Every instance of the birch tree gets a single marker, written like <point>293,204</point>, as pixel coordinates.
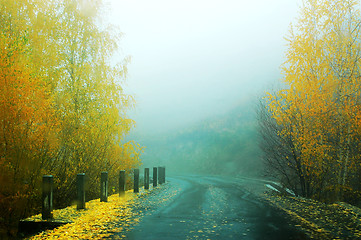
<point>322,72</point>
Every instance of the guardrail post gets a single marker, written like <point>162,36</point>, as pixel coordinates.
<point>146,178</point>
<point>136,180</point>
<point>104,187</point>
<point>121,182</point>
<point>47,205</point>
<point>155,177</point>
<point>163,174</point>
<point>162,177</point>
<point>80,189</point>
<point>159,175</point>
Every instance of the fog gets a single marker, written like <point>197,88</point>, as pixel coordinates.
<point>195,60</point>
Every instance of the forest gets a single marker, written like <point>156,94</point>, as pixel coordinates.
<point>63,109</point>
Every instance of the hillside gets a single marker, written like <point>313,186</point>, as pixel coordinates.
<point>224,144</point>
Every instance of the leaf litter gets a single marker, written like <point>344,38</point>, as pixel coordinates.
<point>110,219</point>
<point>320,220</point>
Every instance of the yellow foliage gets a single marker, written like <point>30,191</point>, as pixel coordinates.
<point>97,221</point>
<point>320,110</point>
<point>63,110</point>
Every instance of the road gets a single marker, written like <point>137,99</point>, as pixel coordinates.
<point>213,208</point>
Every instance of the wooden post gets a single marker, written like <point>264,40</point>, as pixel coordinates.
<point>80,189</point>
<point>146,178</point>
<point>163,177</point>
<point>159,176</point>
<point>163,174</point>
<point>47,205</point>
<point>155,177</point>
<point>136,180</point>
<point>121,183</point>
<point>104,187</point>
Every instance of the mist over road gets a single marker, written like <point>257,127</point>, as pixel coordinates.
<point>214,208</point>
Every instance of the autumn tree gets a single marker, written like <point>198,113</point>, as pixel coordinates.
<point>281,160</point>
<point>321,102</point>
<point>28,123</point>
<point>89,98</point>
<point>63,109</point>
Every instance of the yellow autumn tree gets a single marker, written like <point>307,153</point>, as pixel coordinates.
<point>28,125</point>
<point>89,98</point>
<point>63,109</point>
<point>319,111</point>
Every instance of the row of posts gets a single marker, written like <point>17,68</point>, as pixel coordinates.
<point>47,197</point>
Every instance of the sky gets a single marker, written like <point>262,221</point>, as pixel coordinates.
<point>193,59</point>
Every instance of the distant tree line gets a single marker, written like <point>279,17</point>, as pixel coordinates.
<point>311,130</point>
<point>223,144</point>
<point>62,107</point>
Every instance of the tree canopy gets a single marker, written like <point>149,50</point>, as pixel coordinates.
<point>318,113</point>
<point>63,109</point>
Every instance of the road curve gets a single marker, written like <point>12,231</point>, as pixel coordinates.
<point>213,208</point>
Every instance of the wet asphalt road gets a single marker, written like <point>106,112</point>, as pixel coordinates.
<point>213,208</point>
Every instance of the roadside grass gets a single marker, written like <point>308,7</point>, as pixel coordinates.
<point>320,220</point>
